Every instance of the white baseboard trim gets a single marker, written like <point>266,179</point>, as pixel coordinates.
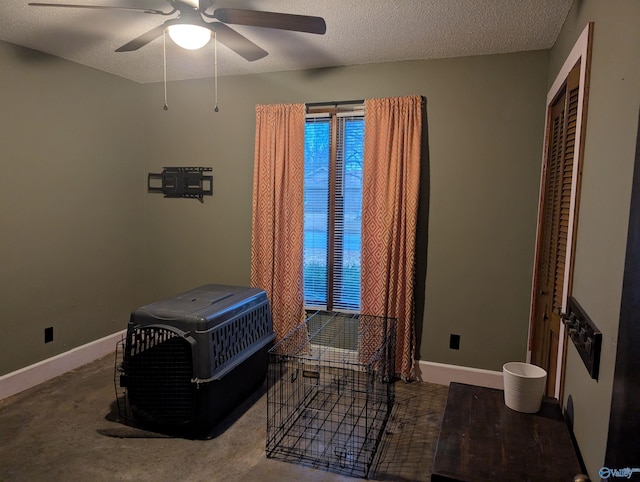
<point>28,377</point>
<point>444,374</point>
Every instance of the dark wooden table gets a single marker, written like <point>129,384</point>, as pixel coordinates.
<point>481,439</point>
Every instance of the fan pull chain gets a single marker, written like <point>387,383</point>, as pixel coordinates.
<point>215,69</point>
<point>164,63</point>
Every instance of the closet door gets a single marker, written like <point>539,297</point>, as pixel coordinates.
<point>553,263</point>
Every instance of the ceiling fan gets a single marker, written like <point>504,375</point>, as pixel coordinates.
<point>195,15</point>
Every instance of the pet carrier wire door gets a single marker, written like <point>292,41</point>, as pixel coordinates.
<point>330,392</point>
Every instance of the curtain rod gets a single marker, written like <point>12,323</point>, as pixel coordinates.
<point>334,103</point>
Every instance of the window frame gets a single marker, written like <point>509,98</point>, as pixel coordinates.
<point>333,114</point>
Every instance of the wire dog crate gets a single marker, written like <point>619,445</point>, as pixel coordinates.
<point>330,392</point>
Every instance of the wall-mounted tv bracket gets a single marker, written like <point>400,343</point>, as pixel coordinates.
<point>186,182</point>
<point>585,336</point>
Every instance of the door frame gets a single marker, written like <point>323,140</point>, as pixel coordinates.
<point>581,52</point>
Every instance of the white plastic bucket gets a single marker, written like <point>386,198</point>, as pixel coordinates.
<point>524,386</point>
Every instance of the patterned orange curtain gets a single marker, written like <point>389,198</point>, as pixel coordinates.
<point>391,182</point>
<point>278,218</point>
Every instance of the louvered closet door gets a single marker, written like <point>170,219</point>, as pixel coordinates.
<point>554,229</point>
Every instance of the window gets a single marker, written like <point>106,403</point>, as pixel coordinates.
<point>332,210</point>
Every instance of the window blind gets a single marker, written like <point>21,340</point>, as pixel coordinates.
<point>316,210</point>
<point>348,212</point>
<point>332,213</point>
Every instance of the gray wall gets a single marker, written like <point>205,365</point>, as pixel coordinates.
<point>486,119</point>
<point>614,100</point>
<point>84,244</point>
<point>71,204</point>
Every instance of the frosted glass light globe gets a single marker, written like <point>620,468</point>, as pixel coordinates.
<point>190,37</point>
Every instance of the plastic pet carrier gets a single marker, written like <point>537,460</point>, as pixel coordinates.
<point>331,391</point>
<point>187,361</point>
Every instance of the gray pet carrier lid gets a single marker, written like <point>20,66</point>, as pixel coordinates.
<point>189,302</point>
<point>199,308</point>
<point>219,326</point>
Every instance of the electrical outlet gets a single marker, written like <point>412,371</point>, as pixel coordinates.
<point>48,334</point>
<point>454,342</point>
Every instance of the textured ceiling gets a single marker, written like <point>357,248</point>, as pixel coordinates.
<point>358,32</point>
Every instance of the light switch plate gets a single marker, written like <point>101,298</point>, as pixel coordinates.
<point>584,334</point>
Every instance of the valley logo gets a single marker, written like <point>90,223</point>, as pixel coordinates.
<point>625,473</point>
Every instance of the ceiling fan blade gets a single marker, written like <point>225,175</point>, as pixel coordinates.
<point>236,42</point>
<point>143,39</point>
<point>99,7</point>
<point>281,21</point>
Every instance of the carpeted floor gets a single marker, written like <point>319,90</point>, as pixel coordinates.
<point>68,430</point>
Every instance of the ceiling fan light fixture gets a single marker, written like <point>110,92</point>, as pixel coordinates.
<point>188,36</point>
